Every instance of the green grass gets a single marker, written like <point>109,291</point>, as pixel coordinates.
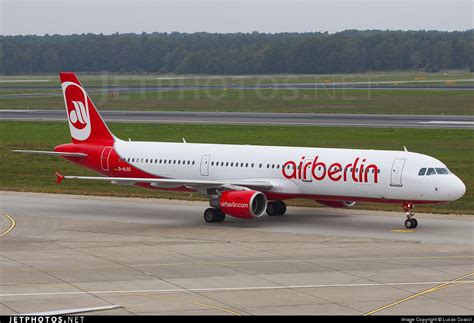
<point>393,101</point>
<point>170,79</point>
<point>419,101</point>
<point>36,173</point>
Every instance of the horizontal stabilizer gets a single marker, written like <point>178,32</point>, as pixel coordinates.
<point>51,153</point>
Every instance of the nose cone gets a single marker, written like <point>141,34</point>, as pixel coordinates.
<point>458,188</point>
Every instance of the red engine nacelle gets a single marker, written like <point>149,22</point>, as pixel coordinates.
<point>243,204</point>
<point>337,204</point>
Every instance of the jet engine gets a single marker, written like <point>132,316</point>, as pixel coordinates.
<point>338,204</point>
<point>241,204</point>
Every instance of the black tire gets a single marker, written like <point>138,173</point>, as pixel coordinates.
<point>281,207</point>
<point>410,224</point>
<point>415,223</point>
<point>212,215</point>
<point>220,217</point>
<point>272,208</point>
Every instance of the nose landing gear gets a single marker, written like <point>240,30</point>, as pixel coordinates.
<point>410,222</point>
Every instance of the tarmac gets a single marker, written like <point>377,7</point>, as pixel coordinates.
<point>253,118</point>
<point>151,256</point>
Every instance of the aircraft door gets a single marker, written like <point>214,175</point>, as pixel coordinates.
<point>397,171</point>
<point>205,165</point>
<point>104,159</point>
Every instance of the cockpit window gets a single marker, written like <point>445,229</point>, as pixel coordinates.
<point>442,171</point>
<point>422,172</point>
<point>431,171</point>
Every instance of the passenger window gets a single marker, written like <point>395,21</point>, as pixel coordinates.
<point>431,171</point>
<point>442,171</point>
<point>422,172</point>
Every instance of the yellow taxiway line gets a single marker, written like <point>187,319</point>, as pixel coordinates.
<point>221,309</point>
<point>431,290</point>
<point>12,223</point>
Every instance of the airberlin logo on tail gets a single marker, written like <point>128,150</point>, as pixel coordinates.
<point>77,110</point>
<point>314,169</point>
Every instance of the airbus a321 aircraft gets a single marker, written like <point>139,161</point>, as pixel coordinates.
<point>246,181</point>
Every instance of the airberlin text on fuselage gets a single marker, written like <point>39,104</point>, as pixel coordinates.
<point>308,170</point>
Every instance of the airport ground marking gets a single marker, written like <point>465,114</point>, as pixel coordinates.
<point>12,223</point>
<point>454,282</point>
<point>249,288</point>
<point>403,230</point>
<point>230,263</point>
<point>192,303</point>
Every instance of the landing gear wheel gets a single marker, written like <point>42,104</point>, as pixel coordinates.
<point>276,208</point>
<point>281,207</point>
<point>212,215</point>
<point>410,222</point>
<point>272,208</point>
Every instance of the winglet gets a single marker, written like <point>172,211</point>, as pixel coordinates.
<point>59,177</point>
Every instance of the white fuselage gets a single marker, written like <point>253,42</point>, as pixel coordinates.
<point>348,174</point>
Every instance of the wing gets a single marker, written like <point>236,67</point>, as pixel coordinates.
<point>52,153</point>
<point>199,185</point>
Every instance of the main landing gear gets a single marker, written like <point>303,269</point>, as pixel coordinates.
<point>410,222</point>
<point>276,208</point>
<point>212,215</point>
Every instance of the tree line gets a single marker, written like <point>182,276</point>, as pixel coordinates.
<point>349,51</point>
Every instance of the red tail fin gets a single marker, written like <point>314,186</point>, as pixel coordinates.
<point>85,122</point>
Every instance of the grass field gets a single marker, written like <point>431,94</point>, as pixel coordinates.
<point>36,173</point>
<point>101,79</point>
<point>393,101</point>
<point>419,101</point>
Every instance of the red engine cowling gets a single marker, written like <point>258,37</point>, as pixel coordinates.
<point>243,204</point>
<point>338,204</point>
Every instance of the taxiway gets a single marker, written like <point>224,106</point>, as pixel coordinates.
<point>152,256</point>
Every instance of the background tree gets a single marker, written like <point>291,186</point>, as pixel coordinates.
<point>350,51</point>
